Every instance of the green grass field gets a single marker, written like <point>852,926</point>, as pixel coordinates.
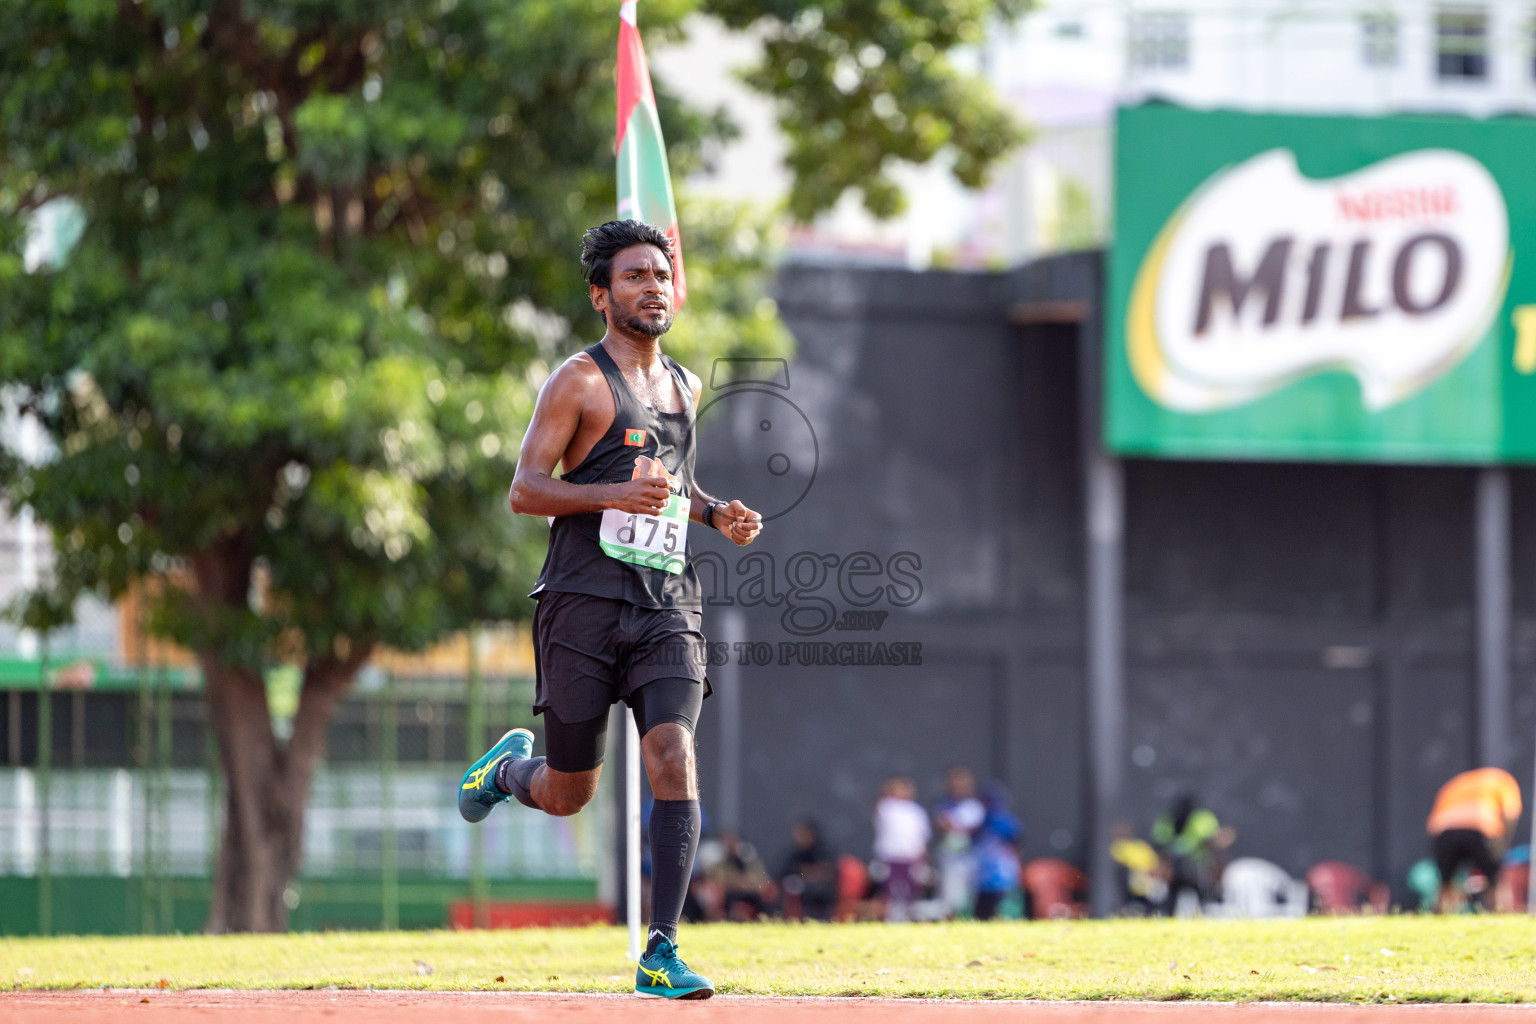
<point>1404,959</point>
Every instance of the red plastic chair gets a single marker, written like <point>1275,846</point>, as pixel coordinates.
<point>1340,888</point>
<point>852,889</point>
<point>1056,889</point>
<point>1514,884</point>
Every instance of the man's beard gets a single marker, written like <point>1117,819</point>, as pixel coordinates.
<point>644,325</point>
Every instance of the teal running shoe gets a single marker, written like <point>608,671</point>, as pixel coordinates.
<point>664,974</point>
<point>478,793</point>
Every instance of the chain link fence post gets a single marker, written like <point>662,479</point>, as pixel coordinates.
<point>389,866</point>
<point>44,764</point>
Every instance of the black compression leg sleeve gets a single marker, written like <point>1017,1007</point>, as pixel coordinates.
<point>515,776</point>
<point>674,835</point>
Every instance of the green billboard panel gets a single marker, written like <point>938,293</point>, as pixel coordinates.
<point>1322,288</point>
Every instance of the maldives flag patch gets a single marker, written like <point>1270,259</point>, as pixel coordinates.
<point>634,438</point>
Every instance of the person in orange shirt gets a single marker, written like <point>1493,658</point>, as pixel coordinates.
<point>1471,824</point>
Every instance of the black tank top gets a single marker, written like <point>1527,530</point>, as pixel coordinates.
<point>576,564</point>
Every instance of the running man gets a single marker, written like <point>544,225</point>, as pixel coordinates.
<point>619,610</point>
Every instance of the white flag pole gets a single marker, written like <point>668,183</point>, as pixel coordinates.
<point>632,830</point>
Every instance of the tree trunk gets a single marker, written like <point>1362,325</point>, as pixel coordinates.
<point>248,882</point>
<point>267,783</point>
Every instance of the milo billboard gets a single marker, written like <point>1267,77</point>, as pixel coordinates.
<point>1322,288</point>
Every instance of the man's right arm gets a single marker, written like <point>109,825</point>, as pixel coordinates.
<point>556,417</point>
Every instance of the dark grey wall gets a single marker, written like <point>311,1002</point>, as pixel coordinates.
<point>1298,637</point>
<point>912,385</point>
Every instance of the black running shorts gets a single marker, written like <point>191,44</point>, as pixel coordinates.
<point>591,652</point>
<point>579,746</point>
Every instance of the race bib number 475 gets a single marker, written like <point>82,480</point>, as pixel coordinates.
<point>659,541</point>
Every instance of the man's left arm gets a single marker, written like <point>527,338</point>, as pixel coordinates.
<point>739,524</point>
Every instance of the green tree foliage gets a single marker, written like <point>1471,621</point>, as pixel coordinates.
<point>330,256</point>
<point>861,83</point>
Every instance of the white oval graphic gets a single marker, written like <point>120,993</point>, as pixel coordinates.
<point>1392,273</point>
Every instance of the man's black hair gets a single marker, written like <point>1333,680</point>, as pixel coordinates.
<point>601,244</point>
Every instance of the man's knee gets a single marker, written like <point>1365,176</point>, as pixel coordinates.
<point>675,758</point>
<point>563,794</point>
<point>669,746</point>
<point>563,805</point>
<point>669,760</point>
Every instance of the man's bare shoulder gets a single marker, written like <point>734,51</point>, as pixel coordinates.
<point>694,383</point>
<point>574,380</point>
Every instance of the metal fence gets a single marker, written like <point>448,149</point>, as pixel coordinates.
<point>114,789</point>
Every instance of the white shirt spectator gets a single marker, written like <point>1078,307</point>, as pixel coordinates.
<point>901,830</point>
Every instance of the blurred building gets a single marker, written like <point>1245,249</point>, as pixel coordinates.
<point>1067,64</point>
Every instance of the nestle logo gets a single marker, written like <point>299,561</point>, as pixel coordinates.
<point>1406,203</point>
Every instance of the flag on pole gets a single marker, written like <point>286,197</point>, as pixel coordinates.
<point>645,182</point>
